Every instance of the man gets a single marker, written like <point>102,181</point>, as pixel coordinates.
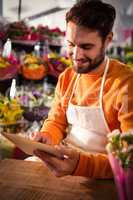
<point>92,98</point>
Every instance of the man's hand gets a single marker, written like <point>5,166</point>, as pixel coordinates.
<point>41,137</point>
<point>63,165</point>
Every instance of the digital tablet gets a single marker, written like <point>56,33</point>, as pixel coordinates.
<point>28,146</point>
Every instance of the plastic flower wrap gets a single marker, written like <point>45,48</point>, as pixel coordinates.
<point>120,152</point>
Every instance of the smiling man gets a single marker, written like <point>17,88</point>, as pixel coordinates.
<point>85,48</point>
<point>92,98</point>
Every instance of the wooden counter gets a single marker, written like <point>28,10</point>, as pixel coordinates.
<point>26,180</point>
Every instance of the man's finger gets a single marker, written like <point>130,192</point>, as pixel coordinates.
<point>66,151</point>
<point>49,159</point>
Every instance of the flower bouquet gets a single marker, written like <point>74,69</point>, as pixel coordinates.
<point>32,100</point>
<point>9,65</point>
<point>120,152</point>
<point>17,30</point>
<point>11,114</point>
<point>56,64</point>
<point>33,68</point>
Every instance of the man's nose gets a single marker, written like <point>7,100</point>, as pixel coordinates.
<point>77,53</point>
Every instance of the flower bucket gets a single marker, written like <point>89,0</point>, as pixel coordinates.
<point>119,177</point>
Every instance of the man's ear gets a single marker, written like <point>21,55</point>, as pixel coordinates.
<point>109,39</point>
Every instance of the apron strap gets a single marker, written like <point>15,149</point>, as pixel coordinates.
<point>101,94</point>
<point>73,90</point>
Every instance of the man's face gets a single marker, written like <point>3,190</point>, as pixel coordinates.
<point>84,47</point>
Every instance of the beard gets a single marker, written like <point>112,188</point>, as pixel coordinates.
<point>92,63</point>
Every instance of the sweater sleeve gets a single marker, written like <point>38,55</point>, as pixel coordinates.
<point>94,166</point>
<point>124,104</point>
<point>56,123</point>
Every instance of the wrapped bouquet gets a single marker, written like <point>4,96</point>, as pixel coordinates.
<point>56,64</point>
<point>120,152</point>
<point>9,65</point>
<point>11,114</point>
<point>33,68</point>
<point>33,101</point>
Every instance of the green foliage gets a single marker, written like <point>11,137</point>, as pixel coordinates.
<point>121,146</point>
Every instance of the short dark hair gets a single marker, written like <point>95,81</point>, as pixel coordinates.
<point>93,14</point>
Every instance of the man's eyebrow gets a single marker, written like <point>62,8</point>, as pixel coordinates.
<point>82,44</point>
<point>86,45</point>
<point>70,41</point>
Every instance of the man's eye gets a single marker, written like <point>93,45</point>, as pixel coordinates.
<point>70,45</point>
<point>87,47</point>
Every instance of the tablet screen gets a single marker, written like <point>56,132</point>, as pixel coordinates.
<point>28,146</point>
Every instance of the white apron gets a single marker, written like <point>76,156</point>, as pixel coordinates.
<point>88,124</point>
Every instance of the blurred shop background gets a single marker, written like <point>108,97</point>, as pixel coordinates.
<point>33,54</point>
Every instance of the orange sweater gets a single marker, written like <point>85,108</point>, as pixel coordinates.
<point>117,104</point>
